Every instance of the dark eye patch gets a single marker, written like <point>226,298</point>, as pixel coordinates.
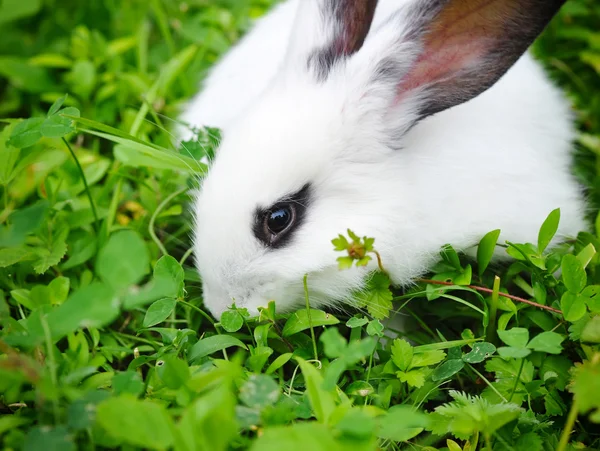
<point>274,226</point>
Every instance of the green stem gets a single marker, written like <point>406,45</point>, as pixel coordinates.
<point>163,25</point>
<point>514,389</point>
<point>488,442</point>
<point>199,310</point>
<point>51,365</point>
<point>112,210</point>
<point>186,256</point>
<point>566,432</point>
<point>491,327</point>
<point>312,330</point>
<point>488,383</point>
<point>162,205</point>
<point>85,184</point>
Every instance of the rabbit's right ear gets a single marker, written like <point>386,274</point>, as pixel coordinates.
<point>435,54</point>
<point>326,32</point>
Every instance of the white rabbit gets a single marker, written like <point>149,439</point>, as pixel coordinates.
<point>388,129</point>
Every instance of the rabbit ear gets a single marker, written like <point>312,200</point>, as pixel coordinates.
<point>435,54</point>
<point>327,31</point>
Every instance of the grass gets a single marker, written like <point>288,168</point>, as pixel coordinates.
<point>104,343</point>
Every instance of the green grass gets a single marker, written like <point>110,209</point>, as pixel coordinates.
<point>103,340</point>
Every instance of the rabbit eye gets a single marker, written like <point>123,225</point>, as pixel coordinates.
<point>274,226</point>
<point>280,218</point>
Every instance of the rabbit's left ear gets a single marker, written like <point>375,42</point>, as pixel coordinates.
<point>328,31</point>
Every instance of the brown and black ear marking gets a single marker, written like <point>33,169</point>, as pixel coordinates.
<point>502,29</point>
<point>466,46</point>
<point>351,20</point>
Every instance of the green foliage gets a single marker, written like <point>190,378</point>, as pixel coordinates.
<point>104,342</point>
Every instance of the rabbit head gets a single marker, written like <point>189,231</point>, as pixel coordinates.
<point>324,149</point>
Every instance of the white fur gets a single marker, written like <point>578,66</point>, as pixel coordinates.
<point>501,160</point>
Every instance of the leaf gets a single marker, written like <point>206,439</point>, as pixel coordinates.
<point>128,382</point>
<point>427,358</point>
<point>334,344</point>
<point>321,401</point>
<point>12,255</point>
<point>259,358</point>
<point>467,415</point>
<point>26,133</point>
<point>548,342</point>
<point>401,423</point>
<point>515,353</point>
<point>210,345</point>
<point>586,254</point>
<point>82,412</point>
<point>548,230</point>
<point>169,268</point>
<point>259,391</point>
<point>22,223</point>
<point>58,126</point>
<point>209,423</point>
<point>92,306</point>
<point>279,362</point>
<point>345,262</point>
<point>48,258</point>
<point>297,437</point>
<point>141,154</point>
<point>485,250</point>
<point>402,354</point>
<point>375,328</point>
<point>376,296</point>
<point>447,369</point>
<point>340,243</point>
<point>9,422</point>
<point>146,424</point>
<point>49,439</point>
<point>414,378</point>
<point>479,353</point>
<point>56,105</point>
<point>573,274</point>
<point>572,306</point>
<point>586,385</point>
<point>356,424</point>
<point>516,337</point>
<point>124,260</point>
<point>174,372</point>
<point>356,322</point>
<point>59,290</point>
<point>591,295</point>
<point>529,442</point>
<point>159,311</point>
<point>591,331</point>
<point>231,321</point>
<point>11,10</point>
<point>450,256</point>
<point>298,321</point>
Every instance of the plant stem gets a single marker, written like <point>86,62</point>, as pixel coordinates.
<point>489,291</point>
<point>379,262</point>
<point>312,330</point>
<point>51,365</point>
<point>488,383</point>
<point>160,208</point>
<point>85,184</point>
<point>488,442</point>
<point>491,327</point>
<point>512,393</point>
<point>566,432</point>
<point>199,310</point>
<point>186,255</point>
